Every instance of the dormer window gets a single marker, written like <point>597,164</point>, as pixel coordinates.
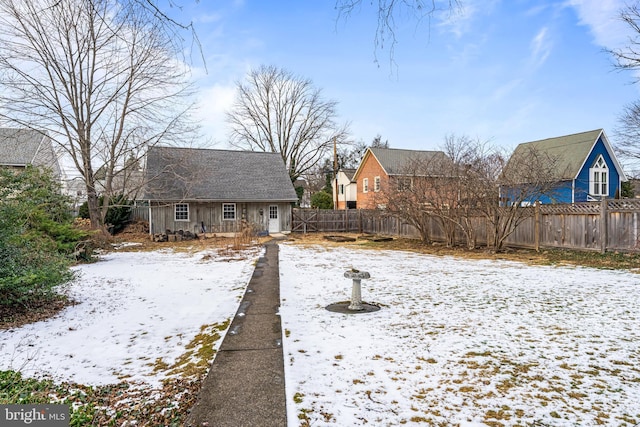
<point>599,178</point>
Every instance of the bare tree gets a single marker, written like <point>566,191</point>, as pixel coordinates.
<point>276,111</point>
<point>99,77</point>
<point>628,132</point>
<point>470,185</point>
<point>412,193</point>
<point>474,183</point>
<point>437,190</point>
<point>528,176</point>
<point>388,11</point>
<point>628,58</point>
<point>379,143</point>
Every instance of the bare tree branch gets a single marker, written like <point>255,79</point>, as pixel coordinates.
<point>389,10</point>
<point>460,190</point>
<point>627,58</point>
<point>98,76</point>
<point>275,111</point>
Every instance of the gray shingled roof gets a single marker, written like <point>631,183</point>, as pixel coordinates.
<point>18,147</point>
<point>568,152</point>
<point>22,147</point>
<point>216,175</point>
<point>349,173</point>
<point>394,161</point>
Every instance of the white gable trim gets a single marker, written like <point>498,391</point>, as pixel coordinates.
<point>35,154</point>
<point>612,156</point>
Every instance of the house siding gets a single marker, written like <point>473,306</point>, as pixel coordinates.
<point>369,170</point>
<point>575,187</point>
<point>349,194</point>
<point>582,181</point>
<point>561,193</point>
<point>209,214</point>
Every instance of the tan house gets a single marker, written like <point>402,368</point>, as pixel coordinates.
<point>346,195</point>
<point>217,191</point>
<point>389,169</point>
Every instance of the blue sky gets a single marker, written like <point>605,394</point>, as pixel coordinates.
<point>507,71</point>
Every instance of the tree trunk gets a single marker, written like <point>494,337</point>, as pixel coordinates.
<point>94,208</point>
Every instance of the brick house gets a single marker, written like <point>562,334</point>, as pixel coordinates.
<point>389,169</point>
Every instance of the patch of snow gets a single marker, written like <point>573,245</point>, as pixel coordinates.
<point>458,342</point>
<point>124,245</point>
<point>134,308</point>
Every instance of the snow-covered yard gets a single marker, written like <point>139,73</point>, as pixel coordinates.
<point>458,342</point>
<point>137,313</point>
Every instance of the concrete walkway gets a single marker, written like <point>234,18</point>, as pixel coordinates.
<point>245,386</point>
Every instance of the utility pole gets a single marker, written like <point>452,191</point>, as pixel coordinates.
<point>335,170</point>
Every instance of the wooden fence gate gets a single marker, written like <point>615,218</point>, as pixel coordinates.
<point>305,221</point>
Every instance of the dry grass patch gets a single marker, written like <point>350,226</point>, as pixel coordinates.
<point>609,260</point>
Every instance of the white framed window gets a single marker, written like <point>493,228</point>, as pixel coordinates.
<point>376,184</point>
<point>404,184</point>
<point>599,178</point>
<point>341,188</point>
<point>181,212</point>
<point>228,211</point>
<point>365,185</point>
<point>273,212</point>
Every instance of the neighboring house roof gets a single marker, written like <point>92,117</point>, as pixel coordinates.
<point>22,147</point>
<point>176,174</point>
<point>568,152</point>
<point>349,173</point>
<point>394,161</point>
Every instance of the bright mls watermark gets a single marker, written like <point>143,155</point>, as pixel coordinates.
<point>34,415</point>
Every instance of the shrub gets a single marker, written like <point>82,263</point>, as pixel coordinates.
<point>36,237</point>
<point>322,200</point>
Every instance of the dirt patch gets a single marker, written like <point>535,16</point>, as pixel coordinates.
<point>14,317</point>
<point>609,260</point>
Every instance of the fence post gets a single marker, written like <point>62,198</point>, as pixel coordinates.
<point>536,226</point>
<point>603,225</point>
<point>346,220</point>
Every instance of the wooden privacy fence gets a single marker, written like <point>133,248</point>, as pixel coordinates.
<point>609,225</point>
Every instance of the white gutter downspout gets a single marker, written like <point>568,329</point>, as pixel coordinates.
<point>150,226</point>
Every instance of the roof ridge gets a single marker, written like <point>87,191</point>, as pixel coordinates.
<point>564,136</point>
<point>406,149</point>
<point>213,149</point>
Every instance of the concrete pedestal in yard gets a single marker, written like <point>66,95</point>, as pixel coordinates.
<point>355,305</point>
<point>356,289</point>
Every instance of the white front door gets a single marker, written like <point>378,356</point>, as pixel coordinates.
<point>274,220</point>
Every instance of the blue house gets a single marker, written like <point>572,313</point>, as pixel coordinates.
<point>581,167</point>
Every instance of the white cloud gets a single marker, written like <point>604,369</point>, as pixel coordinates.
<point>536,10</point>
<point>213,105</point>
<point>506,90</point>
<point>601,16</point>
<point>540,48</point>
<point>209,18</point>
<point>460,21</point>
